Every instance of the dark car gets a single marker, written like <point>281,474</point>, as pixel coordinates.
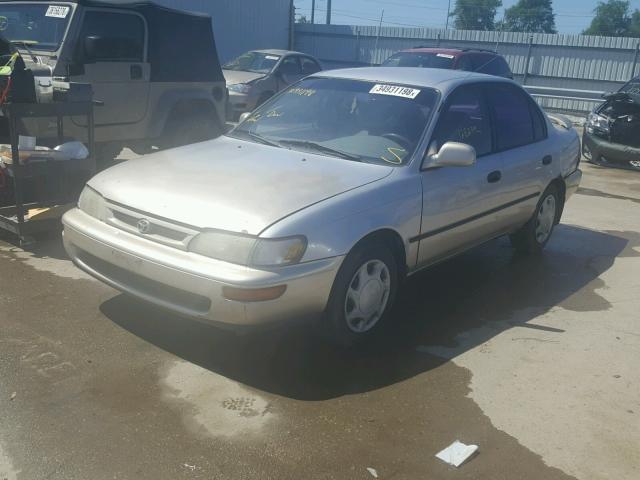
<point>612,133</point>
<point>468,59</point>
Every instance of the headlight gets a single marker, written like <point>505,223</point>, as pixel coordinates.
<point>597,122</point>
<point>92,203</point>
<point>239,87</point>
<point>284,251</point>
<point>248,250</point>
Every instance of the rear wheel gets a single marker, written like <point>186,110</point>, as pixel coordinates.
<point>362,295</point>
<point>195,128</point>
<point>534,235</point>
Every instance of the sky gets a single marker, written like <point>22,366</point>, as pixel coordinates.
<point>572,16</point>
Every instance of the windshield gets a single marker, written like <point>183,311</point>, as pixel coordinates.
<point>253,62</point>
<point>40,26</point>
<point>350,119</point>
<point>632,87</point>
<point>420,59</point>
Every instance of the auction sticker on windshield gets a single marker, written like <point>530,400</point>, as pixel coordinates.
<point>395,90</point>
<point>57,11</point>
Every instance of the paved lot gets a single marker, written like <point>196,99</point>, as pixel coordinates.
<point>534,360</point>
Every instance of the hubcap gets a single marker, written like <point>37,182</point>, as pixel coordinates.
<point>546,218</point>
<point>367,296</point>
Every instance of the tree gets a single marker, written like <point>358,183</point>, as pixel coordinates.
<point>535,16</point>
<point>612,19</point>
<point>634,29</point>
<point>303,19</point>
<point>475,14</point>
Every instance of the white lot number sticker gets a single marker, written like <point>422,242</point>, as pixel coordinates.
<point>395,90</point>
<point>57,11</point>
<point>444,55</point>
<point>272,57</point>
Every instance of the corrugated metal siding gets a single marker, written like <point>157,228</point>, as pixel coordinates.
<point>561,61</point>
<point>241,25</point>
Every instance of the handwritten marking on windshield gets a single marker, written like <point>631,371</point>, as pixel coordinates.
<point>397,160</point>
<point>303,92</point>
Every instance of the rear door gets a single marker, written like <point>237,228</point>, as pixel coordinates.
<point>460,203</point>
<point>521,138</point>
<point>117,68</point>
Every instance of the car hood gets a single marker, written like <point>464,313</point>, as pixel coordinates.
<point>230,184</point>
<point>234,76</point>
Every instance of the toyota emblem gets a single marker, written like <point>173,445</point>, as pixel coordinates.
<point>144,226</point>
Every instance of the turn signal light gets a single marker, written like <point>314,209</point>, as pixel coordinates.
<point>253,294</point>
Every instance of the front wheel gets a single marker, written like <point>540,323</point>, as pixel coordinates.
<point>362,295</point>
<point>534,235</point>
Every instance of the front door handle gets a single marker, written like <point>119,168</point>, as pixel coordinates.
<point>547,160</point>
<point>494,176</point>
<point>136,72</point>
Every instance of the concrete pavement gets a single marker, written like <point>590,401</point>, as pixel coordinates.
<point>535,360</point>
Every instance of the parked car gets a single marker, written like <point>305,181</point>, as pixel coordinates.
<point>468,59</point>
<point>612,133</point>
<point>327,196</point>
<point>256,76</point>
<point>155,89</point>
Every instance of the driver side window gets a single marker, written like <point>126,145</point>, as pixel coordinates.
<point>465,119</point>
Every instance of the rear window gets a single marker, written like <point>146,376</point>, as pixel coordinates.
<point>420,59</point>
<point>491,65</point>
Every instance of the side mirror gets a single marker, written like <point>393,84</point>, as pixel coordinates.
<point>244,116</point>
<point>452,154</point>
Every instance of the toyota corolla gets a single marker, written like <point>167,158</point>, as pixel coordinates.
<point>323,199</point>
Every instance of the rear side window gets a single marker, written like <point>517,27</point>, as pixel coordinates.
<point>465,119</point>
<point>539,125</point>
<point>309,66</point>
<point>420,59</point>
<point>126,31</point>
<point>290,66</point>
<point>511,110</point>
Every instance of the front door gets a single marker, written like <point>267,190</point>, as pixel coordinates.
<point>460,203</point>
<point>289,71</point>
<point>112,58</point>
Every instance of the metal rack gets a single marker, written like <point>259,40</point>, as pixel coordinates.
<point>56,173</point>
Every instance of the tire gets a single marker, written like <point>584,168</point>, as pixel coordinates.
<point>196,128</point>
<point>375,262</point>
<point>535,234</point>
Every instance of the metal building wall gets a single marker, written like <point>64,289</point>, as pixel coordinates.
<point>579,62</point>
<point>241,25</point>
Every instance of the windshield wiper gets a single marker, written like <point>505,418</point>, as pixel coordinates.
<point>259,138</point>
<point>25,44</point>
<point>322,148</point>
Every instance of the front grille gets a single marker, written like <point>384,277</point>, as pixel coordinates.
<point>175,296</point>
<point>159,230</point>
<point>132,221</point>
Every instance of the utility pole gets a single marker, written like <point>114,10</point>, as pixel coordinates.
<point>328,12</point>
<point>313,11</point>
<point>446,26</point>
<point>375,48</point>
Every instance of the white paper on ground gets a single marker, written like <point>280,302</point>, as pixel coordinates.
<point>456,453</point>
<point>373,472</point>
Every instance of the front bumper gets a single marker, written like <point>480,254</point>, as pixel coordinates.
<point>602,152</point>
<point>191,284</point>
<point>239,103</point>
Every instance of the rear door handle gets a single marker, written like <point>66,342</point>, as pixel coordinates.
<point>547,160</point>
<point>494,176</point>
<point>136,72</point>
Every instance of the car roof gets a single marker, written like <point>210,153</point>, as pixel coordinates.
<point>442,79</point>
<point>456,52</point>
<point>276,51</point>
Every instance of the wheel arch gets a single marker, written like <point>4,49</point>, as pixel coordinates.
<point>559,183</point>
<point>393,240</point>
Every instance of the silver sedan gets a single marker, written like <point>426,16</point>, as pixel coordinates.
<point>321,201</point>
